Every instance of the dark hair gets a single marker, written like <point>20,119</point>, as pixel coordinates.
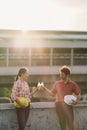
<point>65,69</point>
<point>21,71</point>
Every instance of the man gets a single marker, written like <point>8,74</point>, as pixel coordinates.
<point>65,86</point>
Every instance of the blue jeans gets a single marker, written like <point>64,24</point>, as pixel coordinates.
<point>22,116</point>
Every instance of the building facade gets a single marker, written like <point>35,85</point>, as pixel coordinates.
<point>43,52</point>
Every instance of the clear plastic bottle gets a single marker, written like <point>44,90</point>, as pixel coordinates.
<point>42,84</point>
<point>39,85</point>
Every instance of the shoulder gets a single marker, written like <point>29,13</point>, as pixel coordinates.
<point>72,82</point>
<point>57,83</point>
<point>17,83</point>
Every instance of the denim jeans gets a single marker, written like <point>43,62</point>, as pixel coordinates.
<point>22,116</point>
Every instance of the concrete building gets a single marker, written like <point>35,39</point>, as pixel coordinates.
<point>43,52</point>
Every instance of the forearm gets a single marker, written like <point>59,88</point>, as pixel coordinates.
<point>49,91</point>
<point>78,97</point>
<point>34,91</point>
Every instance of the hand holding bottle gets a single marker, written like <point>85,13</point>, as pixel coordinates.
<point>40,85</point>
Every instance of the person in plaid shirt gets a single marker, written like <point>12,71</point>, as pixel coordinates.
<point>21,89</point>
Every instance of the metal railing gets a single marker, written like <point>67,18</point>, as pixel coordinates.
<point>5,100</point>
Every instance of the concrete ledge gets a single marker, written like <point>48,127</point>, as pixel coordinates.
<point>42,116</point>
<point>5,106</point>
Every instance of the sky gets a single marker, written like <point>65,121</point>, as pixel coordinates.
<point>43,14</point>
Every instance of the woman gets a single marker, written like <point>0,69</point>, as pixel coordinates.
<point>21,89</point>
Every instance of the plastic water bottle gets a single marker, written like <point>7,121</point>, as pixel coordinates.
<point>42,84</point>
<point>39,85</point>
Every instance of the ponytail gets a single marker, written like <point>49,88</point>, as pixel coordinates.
<point>21,71</point>
<point>17,77</point>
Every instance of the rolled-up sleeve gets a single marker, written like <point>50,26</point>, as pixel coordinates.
<point>76,89</point>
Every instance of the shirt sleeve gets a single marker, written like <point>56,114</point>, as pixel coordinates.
<point>14,94</point>
<point>76,89</point>
<point>27,91</point>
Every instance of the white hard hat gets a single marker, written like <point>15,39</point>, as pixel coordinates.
<point>68,99</point>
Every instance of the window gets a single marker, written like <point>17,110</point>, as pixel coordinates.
<point>3,56</point>
<point>80,56</point>
<point>40,56</point>
<point>18,56</point>
<point>61,56</point>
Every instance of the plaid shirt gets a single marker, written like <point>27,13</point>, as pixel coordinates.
<point>20,89</point>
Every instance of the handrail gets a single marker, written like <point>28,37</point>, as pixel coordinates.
<point>6,98</point>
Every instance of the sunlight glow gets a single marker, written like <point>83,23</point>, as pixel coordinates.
<point>42,14</point>
<point>26,39</point>
<point>20,40</point>
<point>39,14</point>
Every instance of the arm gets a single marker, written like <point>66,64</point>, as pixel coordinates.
<point>34,91</point>
<point>77,93</point>
<point>77,100</point>
<point>78,97</point>
<point>48,91</point>
<point>15,95</point>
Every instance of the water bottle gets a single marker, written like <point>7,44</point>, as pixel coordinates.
<point>42,84</point>
<point>39,85</point>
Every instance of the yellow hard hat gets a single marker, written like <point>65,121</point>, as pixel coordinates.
<point>23,101</point>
